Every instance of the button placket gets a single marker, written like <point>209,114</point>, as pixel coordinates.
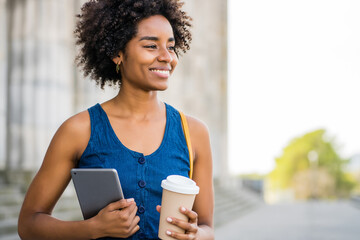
<point>141,183</point>
<point>141,160</point>
<point>141,209</point>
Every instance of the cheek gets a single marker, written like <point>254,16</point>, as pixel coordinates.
<point>138,65</point>
<point>174,62</point>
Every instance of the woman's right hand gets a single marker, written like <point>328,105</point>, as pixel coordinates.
<point>118,219</point>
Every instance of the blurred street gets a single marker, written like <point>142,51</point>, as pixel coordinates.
<point>337,220</point>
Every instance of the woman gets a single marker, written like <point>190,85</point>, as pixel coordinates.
<point>133,44</point>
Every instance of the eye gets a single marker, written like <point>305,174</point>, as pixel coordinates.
<point>172,48</point>
<point>150,46</point>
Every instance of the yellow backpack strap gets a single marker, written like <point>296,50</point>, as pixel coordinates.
<point>188,141</point>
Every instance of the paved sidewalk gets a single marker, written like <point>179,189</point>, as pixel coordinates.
<point>315,220</point>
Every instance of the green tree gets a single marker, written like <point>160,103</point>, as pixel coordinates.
<point>312,154</point>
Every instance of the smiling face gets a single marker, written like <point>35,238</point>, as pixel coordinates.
<point>149,58</point>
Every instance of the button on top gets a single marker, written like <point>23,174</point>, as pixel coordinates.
<point>142,183</point>
<point>141,209</point>
<point>141,160</point>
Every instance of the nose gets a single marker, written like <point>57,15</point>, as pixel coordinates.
<point>164,55</point>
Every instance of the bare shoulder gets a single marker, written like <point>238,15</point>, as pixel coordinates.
<point>200,139</point>
<point>80,121</point>
<point>76,131</point>
<point>197,127</point>
<point>77,125</point>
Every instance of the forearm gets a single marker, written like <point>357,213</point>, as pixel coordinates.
<point>205,233</point>
<point>44,226</point>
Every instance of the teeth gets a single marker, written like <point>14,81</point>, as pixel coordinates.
<point>160,71</point>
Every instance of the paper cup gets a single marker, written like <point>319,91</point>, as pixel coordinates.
<point>178,191</point>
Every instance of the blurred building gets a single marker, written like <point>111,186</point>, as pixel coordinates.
<point>40,86</point>
<point>354,170</point>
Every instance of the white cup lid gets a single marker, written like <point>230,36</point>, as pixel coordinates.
<point>180,184</point>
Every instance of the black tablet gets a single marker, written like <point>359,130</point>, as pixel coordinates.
<point>96,188</point>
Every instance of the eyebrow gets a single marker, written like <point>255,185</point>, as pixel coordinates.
<point>155,39</point>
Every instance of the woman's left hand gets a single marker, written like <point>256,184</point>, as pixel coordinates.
<point>191,228</point>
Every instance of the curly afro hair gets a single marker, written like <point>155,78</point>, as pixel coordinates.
<point>106,26</point>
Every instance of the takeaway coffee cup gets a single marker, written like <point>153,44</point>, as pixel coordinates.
<point>178,191</point>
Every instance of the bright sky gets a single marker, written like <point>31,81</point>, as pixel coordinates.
<point>294,66</point>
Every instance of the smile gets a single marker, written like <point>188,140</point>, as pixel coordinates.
<point>161,73</point>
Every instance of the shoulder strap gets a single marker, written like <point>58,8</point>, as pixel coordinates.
<point>188,141</point>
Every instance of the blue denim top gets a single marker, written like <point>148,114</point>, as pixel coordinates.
<point>140,176</point>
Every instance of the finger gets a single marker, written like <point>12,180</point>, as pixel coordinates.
<point>190,214</point>
<point>158,208</point>
<point>181,236</point>
<point>133,211</point>
<point>119,204</point>
<point>135,222</point>
<point>136,228</point>
<point>128,213</point>
<point>189,227</point>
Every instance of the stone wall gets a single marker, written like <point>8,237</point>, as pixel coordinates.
<point>40,86</point>
<point>3,67</point>
<point>199,84</point>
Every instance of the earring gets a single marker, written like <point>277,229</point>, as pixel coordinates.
<point>118,67</point>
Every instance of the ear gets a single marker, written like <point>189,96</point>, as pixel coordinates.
<point>118,59</point>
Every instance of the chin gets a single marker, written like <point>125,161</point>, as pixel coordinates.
<point>163,88</point>
<point>160,86</point>
<point>156,88</point>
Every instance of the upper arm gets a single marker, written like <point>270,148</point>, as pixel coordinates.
<point>202,172</point>
<point>54,175</point>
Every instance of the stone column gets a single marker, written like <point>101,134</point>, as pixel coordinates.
<point>39,78</point>
<point>199,84</point>
<point>54,71</point>
<point>3,81</point>
<point>14,84</point>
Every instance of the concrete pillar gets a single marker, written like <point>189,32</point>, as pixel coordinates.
<point>3,81</point>
<point>53,98</point>
<point>199,84</point>
<point>29,41</point>
<point>14,84</point>
<point>39,77</point>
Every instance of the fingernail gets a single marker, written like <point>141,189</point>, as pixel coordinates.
<point>169,219</point>
<point>130,200</point>
<point>183,209</point>
<point>168,233</point>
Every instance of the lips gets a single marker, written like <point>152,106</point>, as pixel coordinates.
<point>161,72</point>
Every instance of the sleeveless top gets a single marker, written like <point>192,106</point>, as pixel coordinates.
<point>140,176</point>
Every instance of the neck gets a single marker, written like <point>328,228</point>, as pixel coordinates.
<point>137,103</point>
